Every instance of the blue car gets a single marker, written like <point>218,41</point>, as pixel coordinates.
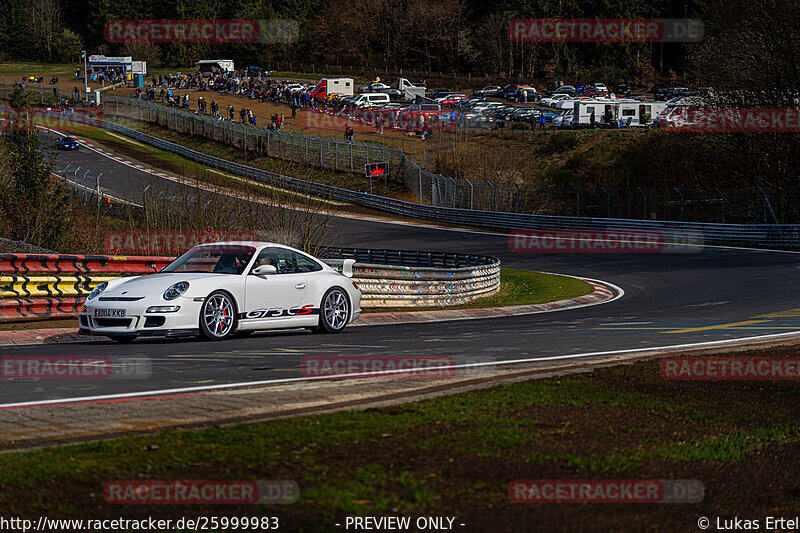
<point>67,143</point>
<point>548,115</point>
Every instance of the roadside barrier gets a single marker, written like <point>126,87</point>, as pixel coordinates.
<point>55,286</point>
<point>390,278</point>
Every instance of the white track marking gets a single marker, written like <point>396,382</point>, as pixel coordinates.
<point>208,388</point>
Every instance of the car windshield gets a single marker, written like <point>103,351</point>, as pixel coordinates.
<point>68,139</point>
<point>213,259</point>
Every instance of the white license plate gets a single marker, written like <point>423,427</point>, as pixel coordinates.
<point>109,313</point>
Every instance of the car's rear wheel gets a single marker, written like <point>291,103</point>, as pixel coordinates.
<point>218,316</point>
<point>334,311</point>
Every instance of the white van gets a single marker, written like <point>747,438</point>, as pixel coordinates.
<point>371,99</point>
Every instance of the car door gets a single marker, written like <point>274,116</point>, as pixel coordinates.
<point>274,300</point>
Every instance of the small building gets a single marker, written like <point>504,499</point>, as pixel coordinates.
<point>123,65</point>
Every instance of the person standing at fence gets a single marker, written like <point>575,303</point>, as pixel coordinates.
<point>294,109</point>
<point>542,121</point>
<point>231,112</point>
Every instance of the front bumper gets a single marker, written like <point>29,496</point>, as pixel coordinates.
<point>138,322</point>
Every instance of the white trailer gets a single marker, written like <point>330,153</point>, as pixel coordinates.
<point>214,66</point>
<point>633,114</point>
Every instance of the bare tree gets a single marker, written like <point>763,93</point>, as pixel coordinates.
<point>42,25</point>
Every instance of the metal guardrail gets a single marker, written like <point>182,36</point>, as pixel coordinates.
<point>394,278</point>
<point>54,286</point>
<point>699,232</point>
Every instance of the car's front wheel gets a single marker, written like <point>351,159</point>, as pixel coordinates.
<point>334,311</point>
<point>217,316</point>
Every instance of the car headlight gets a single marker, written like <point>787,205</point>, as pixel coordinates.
<point>176,290</point>
<point>97,290</point>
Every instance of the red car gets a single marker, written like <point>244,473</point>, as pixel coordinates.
<point>452,100</point>
<point>593,94</point>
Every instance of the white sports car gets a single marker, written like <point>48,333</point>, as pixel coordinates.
<point>218,289</point>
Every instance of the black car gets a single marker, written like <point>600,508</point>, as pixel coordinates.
<point>524,114</point>
<point>622,90</point>
<point>439,94</point>
<point>564,89</point>
<point>660,91</point>
<point>395,95</point>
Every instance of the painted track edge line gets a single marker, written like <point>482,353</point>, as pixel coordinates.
<point>225,386</point>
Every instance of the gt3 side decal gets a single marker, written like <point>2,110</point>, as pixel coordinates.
<point>279,312</point>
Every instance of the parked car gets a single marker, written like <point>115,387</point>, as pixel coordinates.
<point>593,94</point>
<point>489,90</point>
<point>452,99</point>
<point>67,143</point>
<point>519,96</point>
<point>551,101</point>
<point>373,87</point>
<point>524,114</point>
<point>660,91</point>
<point>564,89</point>
<point>394,94</point>
<point>600,87</point>
<point>439,93</point>
<point>622,90</point>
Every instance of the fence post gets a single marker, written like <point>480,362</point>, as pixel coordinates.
<point>336,155</point>
<point>681,195</point>
<point>547,190</point>
<point>471,195</point>
<point>420,185</point>
<point>351,157</point>
<point>578,199</point>
<point>724,201</point>
<point>320,152</point>
<point>493,193</point>
<point>645,201</point>
<point>608,202</point>
<point>516,209</point>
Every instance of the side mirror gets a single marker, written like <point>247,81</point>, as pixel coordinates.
<point>264,269</point>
